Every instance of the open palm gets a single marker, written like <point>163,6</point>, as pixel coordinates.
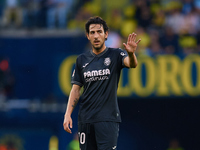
<point>131,45</point>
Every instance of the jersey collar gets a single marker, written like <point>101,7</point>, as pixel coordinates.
<point>100,53</point>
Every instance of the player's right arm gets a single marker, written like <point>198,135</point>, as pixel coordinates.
<point>73,100</point>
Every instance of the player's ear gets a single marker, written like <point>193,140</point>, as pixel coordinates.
<point>106,35</point>
<point>87,36</point>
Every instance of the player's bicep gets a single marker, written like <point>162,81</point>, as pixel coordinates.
<point>76,90</point>
<point>126,62</point>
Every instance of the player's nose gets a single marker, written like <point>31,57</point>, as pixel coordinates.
<point>96,35</point>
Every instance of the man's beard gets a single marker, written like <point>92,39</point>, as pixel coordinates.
<point>98,48</point>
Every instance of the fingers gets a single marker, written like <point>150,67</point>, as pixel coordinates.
<point>133,36</point>
<point>124,45</point>
<point>138,41</point>
<point>70,123</point>
<point>67,126</point>
<point>131,41</point>
<point>129,38</point>
<point>68,129</point>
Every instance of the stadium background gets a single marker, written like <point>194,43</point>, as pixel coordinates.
<point>159,101</point>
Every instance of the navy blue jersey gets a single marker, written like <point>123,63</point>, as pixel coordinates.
<point>99,75</point>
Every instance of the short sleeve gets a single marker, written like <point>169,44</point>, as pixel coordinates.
<point>122,54</point>
<point>76,75</point>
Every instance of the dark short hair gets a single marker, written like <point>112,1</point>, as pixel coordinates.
<point>96,20</point>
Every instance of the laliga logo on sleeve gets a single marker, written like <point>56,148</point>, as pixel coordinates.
<point>122,53</point>
<point>107,61</point>
<point>73,73</point>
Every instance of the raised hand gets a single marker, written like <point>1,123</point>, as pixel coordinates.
<point>131,45</point>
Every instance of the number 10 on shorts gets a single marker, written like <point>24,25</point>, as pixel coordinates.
<point>81,137</point>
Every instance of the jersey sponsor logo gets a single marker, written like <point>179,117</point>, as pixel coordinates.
<point>96,79</point>
<point>122,53</point>
<point>96,75</point>
<point>107,61</point>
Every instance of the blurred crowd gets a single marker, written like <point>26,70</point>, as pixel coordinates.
<point>165,26</point>
<point>35,13</point>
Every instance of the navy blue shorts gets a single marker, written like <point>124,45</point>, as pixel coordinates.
<point>98,136</point>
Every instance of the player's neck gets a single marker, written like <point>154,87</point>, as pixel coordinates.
<point>98,51</point>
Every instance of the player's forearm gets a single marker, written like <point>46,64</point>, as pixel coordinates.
<point>73,100</point>
<point>132,59</point>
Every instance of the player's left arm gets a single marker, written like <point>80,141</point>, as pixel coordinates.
<point>130,47</point>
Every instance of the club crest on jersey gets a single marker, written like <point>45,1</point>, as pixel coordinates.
<point>107,61</point>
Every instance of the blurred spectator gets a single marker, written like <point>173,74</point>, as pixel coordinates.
<point>175,19</point>
<point>42,14</point>
<point>93,7</point>
<point>145,42</point>
<point>129,11</point>
<point>154,35</point>
<point>188,6</point>
<point>30,13</point>
<point>188,44</point>
<point>57,12</point>
<point>115,19</point>
<point>191,22</point>
<point>169,41</point>
<point>78,23</point>
<point>159,19</point>
<point>154,48</point>
<point>174,145</point>
<point>12,16</point>
<point>128,26</point>
<point>197,5</point>
<point>114,40</point>
<point>143,14</point>
<point>145,17</point>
